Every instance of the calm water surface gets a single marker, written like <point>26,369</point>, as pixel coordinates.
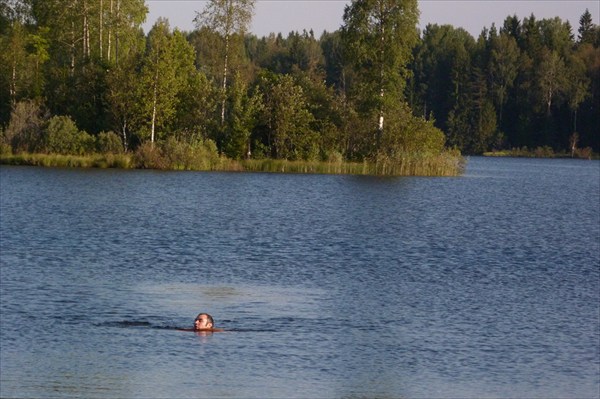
<point>486,285</point>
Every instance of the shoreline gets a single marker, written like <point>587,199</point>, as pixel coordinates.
<point>443,165</point>
<point>543,152</point>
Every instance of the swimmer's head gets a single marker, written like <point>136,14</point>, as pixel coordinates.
<point>203,321</point>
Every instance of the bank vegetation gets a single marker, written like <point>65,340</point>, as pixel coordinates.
<point>81,84</point>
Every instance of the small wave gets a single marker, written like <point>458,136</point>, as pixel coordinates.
<point>125,324</point>
<point>147,324</point>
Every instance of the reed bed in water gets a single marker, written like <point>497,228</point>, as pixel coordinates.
<point>119,161</point>
<point>448,163</point>
<point>445,164</point>
<point>311,167</point>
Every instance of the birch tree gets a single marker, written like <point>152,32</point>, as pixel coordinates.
<point>159,88</point>
<point>243,109</point>
<point>122,96</point>
<point>228,18</point>
<point>22,56</point>
<point>167,68</point>
<point>286,117</point>
<point>14,60</point>
<point>121,22</point>
<point>503,68</point>
<point>551,78</point>
<point>379,36</point>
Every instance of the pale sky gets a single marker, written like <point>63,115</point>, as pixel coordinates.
<point>295,15</point>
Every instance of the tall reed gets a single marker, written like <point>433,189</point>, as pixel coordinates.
<point>120,161</point>
<point>446,164</point>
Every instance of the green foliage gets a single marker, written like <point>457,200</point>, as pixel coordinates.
<point>82,42</point>
<point>242,117</point>
<point>23,53</point>
<point>528,85</point>
<point>200,155</point>
<point>122,93</point>
<point>503,67</point>
<point>379,36</point>
<point>159,79</point>
<point>586,28</point>
<point>63,137</point>
<point>442,69</point>
<point>335,63</point>
<point>297,97</point>
<point>408,134</point>
<point>227,16</point>
<point>177,155</point>
<point>230,19</point>
<point>109,143</point>
<point>196,107</point>
<point>5,148</point>
<point>25,132</point>
<point>286,118</point>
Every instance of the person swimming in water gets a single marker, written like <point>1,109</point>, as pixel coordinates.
<point>205,322</point>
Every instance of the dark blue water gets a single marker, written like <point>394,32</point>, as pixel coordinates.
<point>486,285</point>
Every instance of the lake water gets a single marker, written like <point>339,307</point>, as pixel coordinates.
<point>485,285</point>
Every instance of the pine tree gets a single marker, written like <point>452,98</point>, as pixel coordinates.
<point>586,28</point>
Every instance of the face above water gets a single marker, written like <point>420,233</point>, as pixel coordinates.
<point>202,323</point>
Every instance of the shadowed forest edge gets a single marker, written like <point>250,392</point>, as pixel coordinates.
<point>83,85</point>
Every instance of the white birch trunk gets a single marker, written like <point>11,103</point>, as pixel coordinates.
<point>72,70</point>
<point>124,132</point>
<point>154,101</point>
<point>117,32</point>
<point>381,94</point>
<point>101,27</point>
<point>109,38</point>
<point>86,32</point>
<point>382,89</point>
<point>13,82</point>
<point>225,67</point>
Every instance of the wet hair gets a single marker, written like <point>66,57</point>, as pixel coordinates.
<point>209,318</point>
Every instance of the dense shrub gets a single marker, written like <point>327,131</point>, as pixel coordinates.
<point>583,153</point>
<point>334,157</point>
<point>197,155</point>
<point>408,134</point>
<point>179,155</point>
<point>25,130</point>
<point>544,152</point>
<point>5,148</point>
<point>109,143</point>
<point>149,156</point>
<point>63,137</point>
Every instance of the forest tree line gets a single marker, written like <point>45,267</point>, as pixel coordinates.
<point>81,75</point>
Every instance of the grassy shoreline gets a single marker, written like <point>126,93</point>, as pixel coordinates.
<point>446,164</point>
<point>543,152</point>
